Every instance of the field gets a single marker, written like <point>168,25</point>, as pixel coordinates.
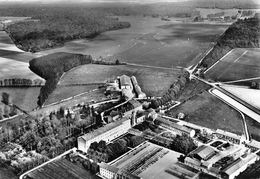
<point>24,97</point>
<point>239,64</point>
<point>60,169</point>
<point>64,92</point>
<point>207,110</point>
<point>6,173</point>
<point>153,81</point>
<point>13,61</point>
<point>151,41</point>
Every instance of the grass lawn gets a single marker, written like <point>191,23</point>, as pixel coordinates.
<point>6,173</point>
<point>153,81</point>
<point>241,63</point>
<point>24,97</point>
<point>63,92</point>
<point>61,169</point>
<point>150,41</point>
<point>207,110</point>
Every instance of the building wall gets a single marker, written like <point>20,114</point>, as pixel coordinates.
<point>106,173</point>
<point>107,136</point>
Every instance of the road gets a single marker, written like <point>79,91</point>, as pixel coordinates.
<point>234,102</point>
<point>237,106</point>
<point>148,66</point>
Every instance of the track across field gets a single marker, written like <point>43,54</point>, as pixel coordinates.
<point>240,63</point>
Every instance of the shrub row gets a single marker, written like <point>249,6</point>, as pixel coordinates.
<point>21,82</point>
<point>173,91</point>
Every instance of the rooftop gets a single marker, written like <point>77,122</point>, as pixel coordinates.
<point>147,160</point>
<point>125,80</point>
<point>203,151</point>
<point>135,103</point>
<point>104,129</point>
<point>237,164</point>
<point>228,134</point>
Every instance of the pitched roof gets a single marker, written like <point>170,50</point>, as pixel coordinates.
<point>134,103</point>
<point>125,81</point>
<point>203,151</point>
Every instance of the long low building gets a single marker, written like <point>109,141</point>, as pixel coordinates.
<point>106,133</point>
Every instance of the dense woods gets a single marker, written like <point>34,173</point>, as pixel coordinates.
<point>51,68</point>
<point>52,25</point>
<point>241,34</point>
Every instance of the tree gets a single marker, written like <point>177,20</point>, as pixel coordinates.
<point>5,98</point>
<point>6,111</point>
<point>183,143</point>
<point>117,62</point>
<point>1,114</point>
<point>29,140</point>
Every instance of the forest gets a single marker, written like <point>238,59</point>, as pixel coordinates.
<point>51,68</point>
<point>241,34</point>
<point>43,137</point>
<point>51,25</point>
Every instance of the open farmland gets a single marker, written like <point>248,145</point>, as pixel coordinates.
<point>153,81</point>
<point>64,92</point>
<point>151,41</point>
<point>6,172</point>
<point>239,64</point>
<point>23,97</point>
<point>207,110</point>
<point>61,169</point>
<point>13,61</point>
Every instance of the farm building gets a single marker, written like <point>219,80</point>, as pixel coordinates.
<point>137,88</point>
<point>126,87</point>
<point>125,82</point>
<point>107,133</point>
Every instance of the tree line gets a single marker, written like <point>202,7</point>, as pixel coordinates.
<point>241,34</point>
<point>51,68</point>
<point>21,82</point>
<point>173,92</point>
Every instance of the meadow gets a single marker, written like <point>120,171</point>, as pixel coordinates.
<point>64,92</point>
<point>208,111</point>
<point>24,97</point>
<point>13,61</point>
<point>153,81</point>
<point>150,41</point>
<point>241,63</point>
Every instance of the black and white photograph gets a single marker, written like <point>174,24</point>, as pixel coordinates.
<point>129,89</point>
